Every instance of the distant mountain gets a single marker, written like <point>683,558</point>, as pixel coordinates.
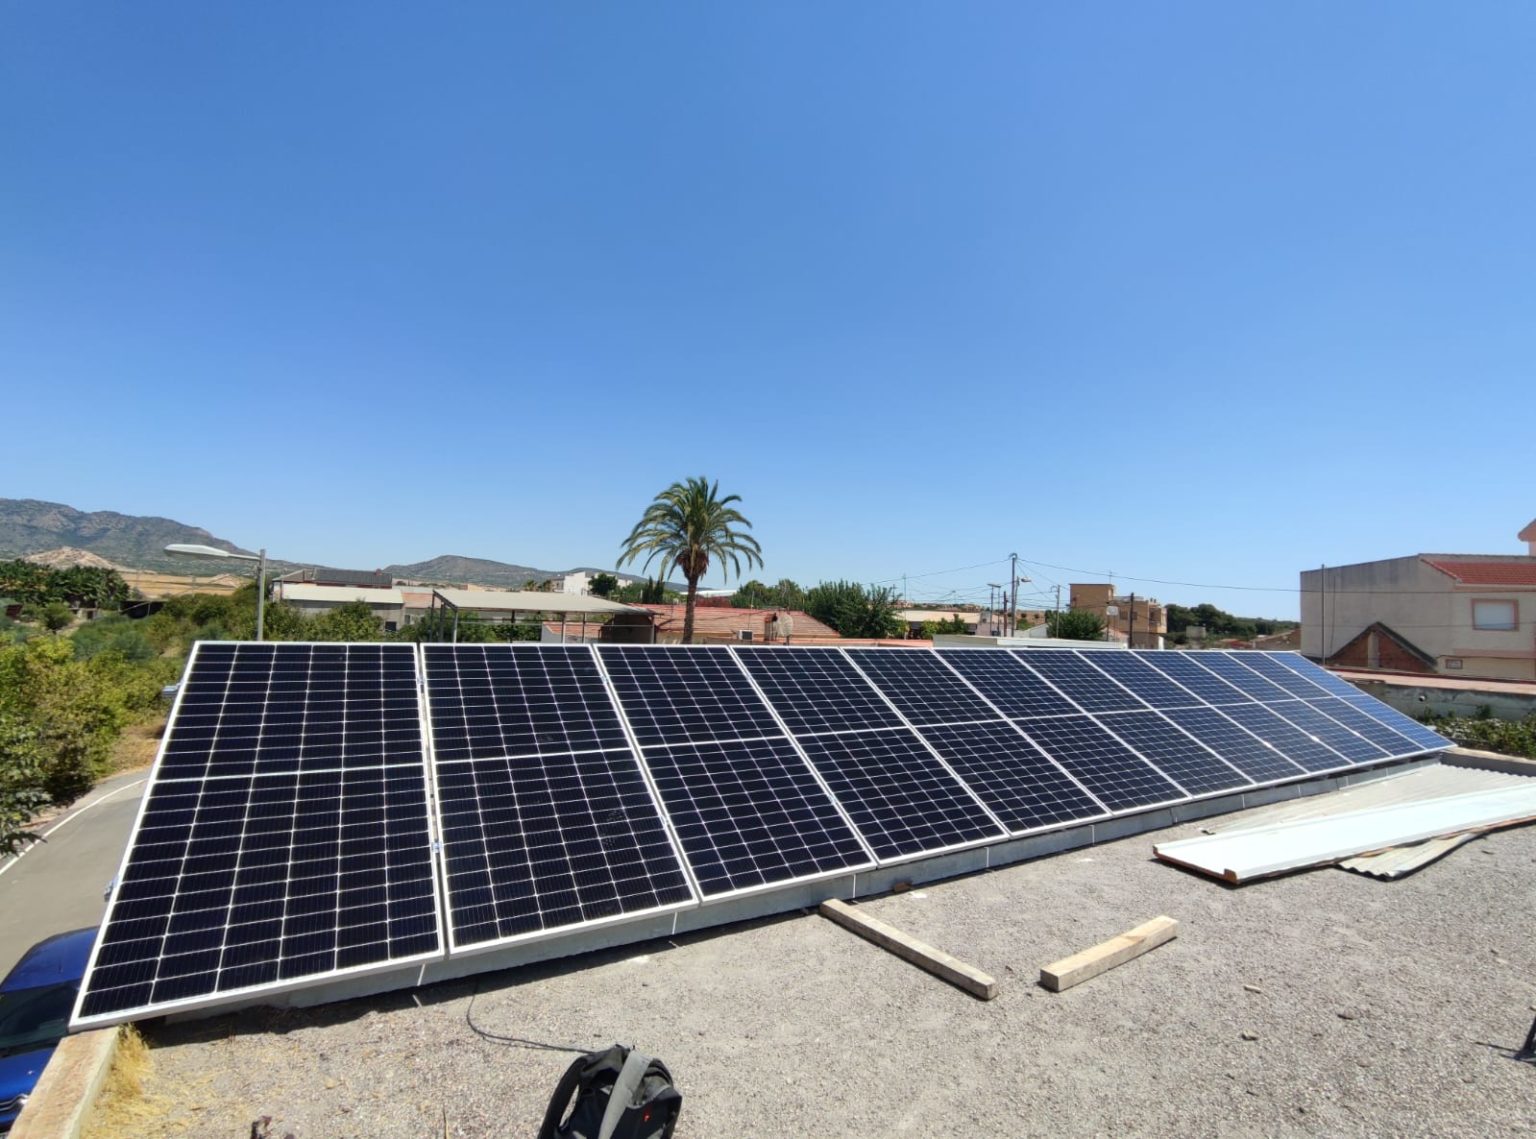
<point>28,526</point>
<point>449,568</point>
<point>66,536</point>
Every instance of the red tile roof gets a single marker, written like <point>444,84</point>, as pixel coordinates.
<point>721,622</point>
<point>1518,572</point>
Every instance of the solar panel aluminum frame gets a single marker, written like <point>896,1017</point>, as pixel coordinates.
<point>456,951</point>
<point>765,887</point>
<point>416,964</point>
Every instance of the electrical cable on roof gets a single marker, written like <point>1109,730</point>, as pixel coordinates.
<point>512,1041</point>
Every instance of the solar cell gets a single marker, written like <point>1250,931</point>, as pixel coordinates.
<point>243,882</point>
<point>1226,666</point>
<point>1204,683</point>
<point>921,687</point>
<point>898,795</point>
<point>537,843</point>
<point>1289,740</point>
<point>1391,742</point>
<point>491,701</point>
<point>1012,776</point>
<point>1421,735</point>
<point>750,814</point>
<point>1153,687</point>
<point>684,695</point>
<point>1252,756</point>
<point>816,690</point>
<point>1071,673</point>
<point>1351,746</point>
<point>1006,683</point>
<point>1195,767</point>
<point>1104,765</point>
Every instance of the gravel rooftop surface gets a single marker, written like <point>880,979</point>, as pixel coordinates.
<point>1377,1008</point>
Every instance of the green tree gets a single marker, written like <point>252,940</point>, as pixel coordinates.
<point>603,585</point>
<point>1075,625</point>
<point>687,525</point>
<point>354,621</point>
<point>22,794</point>
<point>855,610</point>
<point>55,616</point>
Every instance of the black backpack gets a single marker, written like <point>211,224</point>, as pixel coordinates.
<point>620,1094</point>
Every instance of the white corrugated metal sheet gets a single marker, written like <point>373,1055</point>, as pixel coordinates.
<point>1434,781</point>
<point>530,601</point>
<point>1401,861</point>
<point>1421,807</point>
<point>300,592</point>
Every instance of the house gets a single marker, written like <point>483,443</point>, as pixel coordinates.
<point>388,605</point>
<point>327,575</point>
<point>1454,614</point>
<point>1142,620</point>
<point>717,624</point>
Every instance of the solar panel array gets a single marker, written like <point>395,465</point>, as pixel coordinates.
<point>306,822</point>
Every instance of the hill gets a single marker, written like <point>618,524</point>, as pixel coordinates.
<point>28,526</point>
<point>60,535</point>
<point>480,571</point>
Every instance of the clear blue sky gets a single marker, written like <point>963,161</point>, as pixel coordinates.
<point>1199,292</point>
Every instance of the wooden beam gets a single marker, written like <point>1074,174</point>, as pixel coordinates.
<point>919,953</point>
<point>1090,963</point>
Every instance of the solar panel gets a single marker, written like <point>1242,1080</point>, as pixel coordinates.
<point>262,865</point>
<point>1204,683</point>
<point>685,695</point>
<point>534,844</point>
<point>1353,747</point>
<point>921,687</point>
<point>1289,740</point>
<point>1018,781</point>
<point>491,701</point>
<point>1256,759</point>
<point>1152,687</point>
<point>898,794</point>
<point>1390,741</point>
<point>1421,736</point>
<point>1068,671</point>
<point>815,690</point>
<point>1327,681</point>
<point>1239,675</point>
<point>1008,684</point>
<point>271,708</point>
<point>1180,756</point>
<point>1117,777</point>
<point>1287,678</point>
<point>749,814</point>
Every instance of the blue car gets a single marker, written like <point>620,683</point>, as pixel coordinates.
<point>36,999</point>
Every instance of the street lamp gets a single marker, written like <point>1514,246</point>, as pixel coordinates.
<point>260,559</point>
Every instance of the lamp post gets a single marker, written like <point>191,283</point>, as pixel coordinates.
<point>260,559</point>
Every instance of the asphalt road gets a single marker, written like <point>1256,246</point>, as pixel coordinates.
<point>57,885</point>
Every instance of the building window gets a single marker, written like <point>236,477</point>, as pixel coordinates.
<point>1452,662</point>
<point>1495,616</point>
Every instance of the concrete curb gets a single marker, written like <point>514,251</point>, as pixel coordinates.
<point>66,1091</point>
<point>1489,761</point>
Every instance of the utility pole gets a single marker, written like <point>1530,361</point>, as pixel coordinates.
<point>1130,636</point>
<point>1013,596</point>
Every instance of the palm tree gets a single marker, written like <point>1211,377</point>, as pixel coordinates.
<point>685,526</point>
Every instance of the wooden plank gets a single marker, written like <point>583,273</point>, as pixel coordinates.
<point>919,953</point>
<point>1090,963</point>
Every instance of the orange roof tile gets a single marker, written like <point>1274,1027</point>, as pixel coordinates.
<point>1518,572</point>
